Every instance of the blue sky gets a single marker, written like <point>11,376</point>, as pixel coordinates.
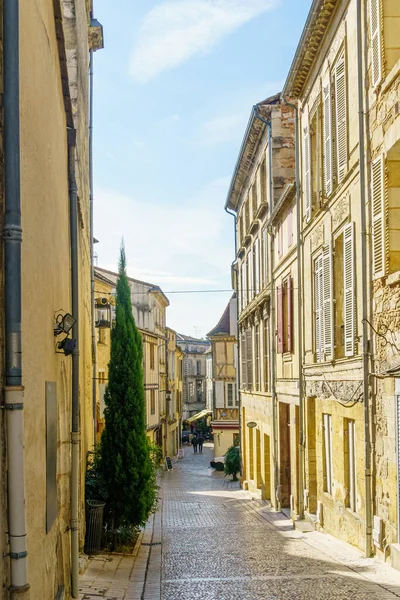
<point>174,87</point>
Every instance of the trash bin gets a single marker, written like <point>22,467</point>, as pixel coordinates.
<point>94,526</point>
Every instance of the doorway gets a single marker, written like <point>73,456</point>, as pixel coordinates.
<point>284,455</point>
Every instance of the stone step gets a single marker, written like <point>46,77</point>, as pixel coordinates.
<point>303,526</point>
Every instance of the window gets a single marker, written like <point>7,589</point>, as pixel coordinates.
<point>350,467</point>
<point>153,402</point>
<point>280,239</point>
<point>327,138</point>
<point>198,366</point>
<point>230,395</point>
<point>264,259</point>
<point>375,32</point>
<point>152,356</point>
<point>256,261</point>
<point>258,361</point>
<point>250,276</point>
<point>284,316</point>
<point>266,356</point>
<point>327,452</point>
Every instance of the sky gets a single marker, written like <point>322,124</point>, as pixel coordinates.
<point>173,91</point>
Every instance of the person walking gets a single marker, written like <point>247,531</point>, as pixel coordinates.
<point>194,444</point>
<point>200,441</point>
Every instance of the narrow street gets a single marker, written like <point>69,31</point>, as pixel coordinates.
<point>212,541</point>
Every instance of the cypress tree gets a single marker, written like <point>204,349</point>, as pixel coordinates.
<point>126,463</point>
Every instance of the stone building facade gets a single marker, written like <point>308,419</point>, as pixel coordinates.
<point>175,389</point>
<point>336,463</point>
<point>149,306</point>
<point>194,374</point>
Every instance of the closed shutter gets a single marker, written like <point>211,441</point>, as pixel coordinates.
<point>280,319</point>
<point>243,360</point>
<point>219,394</point>
<point>102,391</point>
<point>257,265</point>
<point>319,313</point>
<point>378,217</point>
<point>244,291</point>
<point>349,290</point>
<point>328,301</point>
<point>375,26</point>
<point>341,117</point>
<point>327,139</point>
<point>249,358</point>
<point>328,453</point>
<point>289,300</point>
<point>307,173</point>
<point>250,281</point>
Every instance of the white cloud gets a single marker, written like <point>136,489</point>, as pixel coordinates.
<point>223,129</point>
<point>179,247</point>
<point>177,30</point>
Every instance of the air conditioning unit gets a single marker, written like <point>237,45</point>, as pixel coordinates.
<point>377,532</point>
<point>320,513</point>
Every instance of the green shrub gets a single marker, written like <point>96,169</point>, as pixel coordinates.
<point>232,462</point>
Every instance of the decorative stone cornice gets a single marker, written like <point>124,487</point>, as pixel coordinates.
<point>342,391</point>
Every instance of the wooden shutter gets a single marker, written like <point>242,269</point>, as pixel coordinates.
<point>243,359</point>
<point>375,27</point>
<point>307,174</point>
<point>328,452</point>
<point>328,301</point>
<point>219,394</point>
<point>378,217</point>
<point>327,139</point>
<point>250,281</point>
<point>249,358</point>
<point>349,290</point>
<point>289,307</point>
<point>244,291</point>
<point>257,265</point>
<point>280,319</point>
<point>319,313</point>
<point>341,117</point>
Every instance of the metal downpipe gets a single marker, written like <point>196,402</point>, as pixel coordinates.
<point>234,215</point>
<point>75,433</point>
<point>365,283</point>
<point>92,290</point>
<point>300,313</point>
<point>12,235</point>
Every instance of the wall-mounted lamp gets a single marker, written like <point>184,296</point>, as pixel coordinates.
<point>64,323</point>
<point>168,396</point>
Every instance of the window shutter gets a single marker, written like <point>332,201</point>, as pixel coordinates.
<point>280,319</point>
<point>327,139</point>
<point>319,330</point>
<point>378,217</point>
<point>289,300</point>
<point>375,26</point>
<point>349,290</point>
<point>257,265</point>
<point>249,357</point>
<point>307,173</point>
<point>250,282</point>
<point>341,117</point>
<point>219,394</point>
<point>328,301</point>
<point>243,359</point>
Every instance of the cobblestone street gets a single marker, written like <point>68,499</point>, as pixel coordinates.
<point>219,543</point>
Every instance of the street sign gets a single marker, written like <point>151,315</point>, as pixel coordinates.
<point>251,424</point>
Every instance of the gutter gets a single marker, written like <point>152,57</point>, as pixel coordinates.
<point>300,317</point>
<point>12,235</point>
<point>272,307</point>
<point>366,289</point>
<point>75,433</point>
<point>234,215</point>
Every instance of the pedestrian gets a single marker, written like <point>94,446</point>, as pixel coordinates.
<point>194,444</point>
<point>200,442</point>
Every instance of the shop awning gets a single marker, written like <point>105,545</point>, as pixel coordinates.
<point>199,415</point>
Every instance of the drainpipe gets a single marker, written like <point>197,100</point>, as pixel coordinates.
<point>272,304</point>
<point>234,215</point>
<point>94,344</point>
<point>75,434</point>
<point>365,286</point>
<point>12,234</point>
<point>299,311</point>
